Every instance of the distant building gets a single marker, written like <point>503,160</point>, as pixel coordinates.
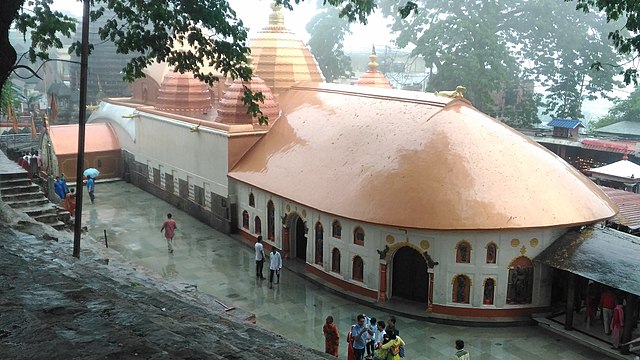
<point>566,128</point>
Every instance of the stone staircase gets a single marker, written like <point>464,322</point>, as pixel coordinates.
<point>17,191</point>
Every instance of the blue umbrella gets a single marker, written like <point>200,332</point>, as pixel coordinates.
<point>94,173</point>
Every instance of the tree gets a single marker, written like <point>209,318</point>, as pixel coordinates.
<point>626,42</point>
<point>623,110</point>
<point>497,46</point>
<point>327,32</point>
<point>190,35</point>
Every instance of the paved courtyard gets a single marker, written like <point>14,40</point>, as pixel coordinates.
<point>296,309</point>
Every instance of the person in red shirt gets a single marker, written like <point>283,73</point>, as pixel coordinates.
<point>169,226</point>
<point>617,324</point>
<point>70,203</point>
<point>607,303</point>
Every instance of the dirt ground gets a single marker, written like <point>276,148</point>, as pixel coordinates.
<point>54,306</point>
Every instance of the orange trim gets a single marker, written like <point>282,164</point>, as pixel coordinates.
<point>341,283</point>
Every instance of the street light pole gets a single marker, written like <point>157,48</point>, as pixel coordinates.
<point>84,59</point>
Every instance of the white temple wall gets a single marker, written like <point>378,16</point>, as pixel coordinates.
<point>440,245</point>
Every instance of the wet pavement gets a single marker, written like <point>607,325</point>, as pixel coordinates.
<point>223,267</point>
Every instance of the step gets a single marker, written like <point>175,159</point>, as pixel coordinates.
<point>16,175</point>
<point>50,218</point>
<point>5,183</point>
<point>26,189</point>
<point>40,210</point>
<point>20,204</point>
<point>20,197</point>
<point>59,225</point>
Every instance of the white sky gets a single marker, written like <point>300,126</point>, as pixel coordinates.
<point>255,15</point>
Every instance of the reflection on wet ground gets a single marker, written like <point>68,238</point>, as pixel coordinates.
<point>295,308</point>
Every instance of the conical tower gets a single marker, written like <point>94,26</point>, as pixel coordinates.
<point>280,58</point>
<point>374,77</point>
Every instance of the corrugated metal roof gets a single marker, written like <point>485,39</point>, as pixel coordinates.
<point>629,205</point>
<point>623,128</point>
<point>565,123</point>
<point>622,147</point>
<point>604,255</point>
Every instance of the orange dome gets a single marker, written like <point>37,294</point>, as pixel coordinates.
<point>232,110</point>
<point>280,58</point>
<point>373,77</point>
<point>183,93</point>
<point>414,160</point>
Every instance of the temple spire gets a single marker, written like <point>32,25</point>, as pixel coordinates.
<point>276,18</point>
<point>373,60</point>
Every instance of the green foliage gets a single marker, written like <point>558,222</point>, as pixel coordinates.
<point>623,110</point>
<point>494,47</point>
<point>7,97</point>
<point>626,42</point>
<point>327,31</point>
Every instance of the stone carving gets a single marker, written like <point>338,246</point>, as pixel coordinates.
<point>383,252</point>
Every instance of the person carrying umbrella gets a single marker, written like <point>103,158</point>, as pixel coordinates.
<point>90,188</point>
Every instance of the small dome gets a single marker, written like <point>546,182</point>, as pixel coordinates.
<point>232,110</point>
<point>373,77</point>
<point>183,93</point>
<point>280,58</point>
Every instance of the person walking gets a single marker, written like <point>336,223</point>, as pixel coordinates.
<point>59,188</point>
<point>607,303</point>
<point>461,353</point>
<point>617,324</point>
<point>70,203</point>
<point>91,188</point>
<point>275,264</point>
<point>259,258</point>
<point>169,226</point>
<point>331,337</point>
<point>393,346</point>
<point>358,337</point>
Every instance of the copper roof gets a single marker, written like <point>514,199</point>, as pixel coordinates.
<point>374,77</point>
<point>280,58</point>
<point>232,110</point>
<point>183,93</point>
<point>629,205</point>
<point>414,160</point>
<point>99,137</point>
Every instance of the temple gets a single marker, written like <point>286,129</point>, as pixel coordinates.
<point>385,193</point>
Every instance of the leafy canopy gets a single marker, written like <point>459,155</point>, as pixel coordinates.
<point>623,110</point>
<point>327,31</point>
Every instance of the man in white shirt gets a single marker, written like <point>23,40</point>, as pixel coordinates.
<point>275,264</point>
<point>259,258</point>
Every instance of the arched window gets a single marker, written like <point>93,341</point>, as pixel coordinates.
<point>336,229</point>
<point>461,289</point>
<point>319,241</point>
<point>358,236</point>
<point>358,269</point>
<point>257,225</point>
<point>252,200</point>
<point>335,260</point>
<point>245,220</point>
<point>489,290</point>
<point>270,221</point>
<point>463,252</point>
<point>520,287</point>
<point>492,253</point>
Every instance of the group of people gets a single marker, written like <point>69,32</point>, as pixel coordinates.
<point>31,161</point>
<point>67,196</point>
<point>610,306</point>
<point>275,262</point>
<point>375,338</point>
<point>379,340</point>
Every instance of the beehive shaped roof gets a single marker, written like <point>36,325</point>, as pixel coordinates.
<point>414,160</point>
<point>182,93</point>
<point>374,77</point>
<point>281,59</point>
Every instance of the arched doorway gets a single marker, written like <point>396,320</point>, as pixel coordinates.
<point>409,275</point>
<point>301,240</point>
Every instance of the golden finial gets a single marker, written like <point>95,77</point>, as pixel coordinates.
<point>523,250</point>
<point>373,63</point>
<point>276,18</point>
<point>457,93</point>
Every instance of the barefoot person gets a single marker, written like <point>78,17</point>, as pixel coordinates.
<point>169,226</point>
<point>331,337</point>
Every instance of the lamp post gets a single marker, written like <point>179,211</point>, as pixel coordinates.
<point>84,58</point>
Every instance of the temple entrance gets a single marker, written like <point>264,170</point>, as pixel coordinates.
<point>301,240</point>
<point>409,275</point>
